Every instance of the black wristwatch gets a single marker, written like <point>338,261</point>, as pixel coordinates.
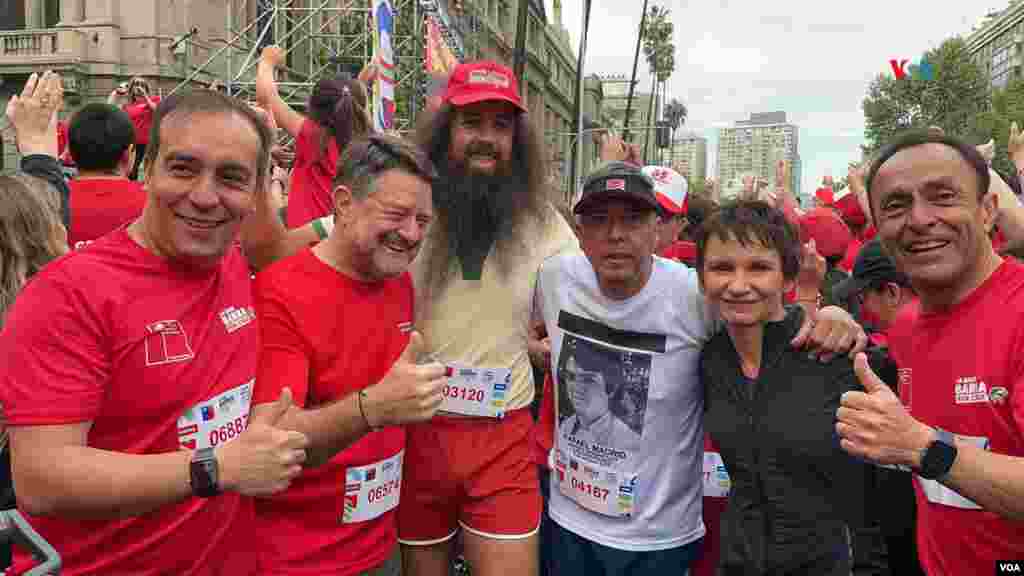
<point>938,458</point>
<point>203,472</point>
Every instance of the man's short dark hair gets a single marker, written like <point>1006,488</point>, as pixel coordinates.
<point>749,222</point>
<point>203,101</point>
<point>99,135</point>
<point>967,151</point>
<point>366,158</point>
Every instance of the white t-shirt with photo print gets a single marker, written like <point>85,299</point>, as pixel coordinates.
<point>646,350</point>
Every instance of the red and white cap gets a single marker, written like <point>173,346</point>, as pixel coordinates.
<point>849,207</point>
<point>670,187</point>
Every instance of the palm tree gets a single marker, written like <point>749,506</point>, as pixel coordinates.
<point>659,51</point>
<point>675,114</point>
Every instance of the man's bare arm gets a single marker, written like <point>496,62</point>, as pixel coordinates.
<point>56,474</point>
<point>409,392</point>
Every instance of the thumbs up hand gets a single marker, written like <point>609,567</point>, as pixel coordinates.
<point>264,459</point>
<point>410,392</point>
<point>875,425</point>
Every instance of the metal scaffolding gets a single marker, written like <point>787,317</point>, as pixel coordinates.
<point>320,38</point>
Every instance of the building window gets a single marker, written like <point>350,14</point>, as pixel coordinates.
<point>51,13</point>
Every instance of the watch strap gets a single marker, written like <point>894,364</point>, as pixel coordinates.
<point>938,458</point>
<point>203,473</point>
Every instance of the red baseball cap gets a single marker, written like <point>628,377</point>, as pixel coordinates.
<point>824,195</point>
<point>849,207</point>
<point>481,81</point>
<point>829,232</point>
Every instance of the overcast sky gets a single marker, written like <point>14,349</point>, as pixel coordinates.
<point>812,59</point>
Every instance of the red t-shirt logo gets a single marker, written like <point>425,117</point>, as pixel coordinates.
<point>166,342</point>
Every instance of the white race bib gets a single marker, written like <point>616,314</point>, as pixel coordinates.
<point>596,488</point>
<point>372,490</point>
<point>476,391</point>
<point>716,477</point>
<point>217,420</point>
<point>936,493</point>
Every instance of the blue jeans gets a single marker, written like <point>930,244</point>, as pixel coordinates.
<point>573,555</point>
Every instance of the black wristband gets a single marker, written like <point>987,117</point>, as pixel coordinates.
<point>203,473</point>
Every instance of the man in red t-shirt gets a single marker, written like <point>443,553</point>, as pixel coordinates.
<point>960,352</point>
<point>129,366</point>
<point>101,140</point>
<point>347,369</point>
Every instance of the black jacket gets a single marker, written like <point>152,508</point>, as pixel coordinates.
<point>795,493</point>
<point>48,168</point>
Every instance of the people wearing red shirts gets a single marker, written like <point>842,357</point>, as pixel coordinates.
<point>140,109</point>
<point>716,499</point>
<point>102,197</point>
<point>959,417</point>
<point>682,251</point>
<point>129,366</point>
<point>339,518</point>
<point>337,114</point>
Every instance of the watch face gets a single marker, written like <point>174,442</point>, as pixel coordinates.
<point>938,459</point>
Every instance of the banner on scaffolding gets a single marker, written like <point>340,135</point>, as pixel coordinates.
<point>439,58</point>
<point>384,59</point>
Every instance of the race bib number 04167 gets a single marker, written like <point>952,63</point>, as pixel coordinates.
<point>217,420</point>
<point>476,391</point>
<point>596,488</point>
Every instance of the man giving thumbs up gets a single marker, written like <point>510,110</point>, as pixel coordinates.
<point>336,323</point>
<point>960,414</point>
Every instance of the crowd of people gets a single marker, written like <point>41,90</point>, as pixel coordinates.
<point>368,353</point>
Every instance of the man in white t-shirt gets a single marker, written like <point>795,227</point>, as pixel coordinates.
<point>629,327</point>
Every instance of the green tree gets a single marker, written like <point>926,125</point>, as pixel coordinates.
<point>695,186</point>
<point>952,98</point>
<point>1007,107</point>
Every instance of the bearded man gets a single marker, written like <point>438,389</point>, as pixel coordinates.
<point>470,467</point>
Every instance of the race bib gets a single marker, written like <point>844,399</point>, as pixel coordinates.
<point>936,493</point>
<point>217,420</point>
<point>716,478</point>
<point>596,488</point>
<point>476,391</point>
<point>372,490</point>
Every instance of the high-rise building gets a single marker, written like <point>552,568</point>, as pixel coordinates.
<point>689,157</point>
<point>641,114</point>
<point>997,44</point>
<point>752,147</point>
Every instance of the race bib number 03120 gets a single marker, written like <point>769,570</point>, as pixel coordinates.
<point>596,488</point>
<point>476,391</point>
<point>217,420</point>
<point>372,490</point>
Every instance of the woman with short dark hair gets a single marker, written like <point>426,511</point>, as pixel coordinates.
<point>797,501</point>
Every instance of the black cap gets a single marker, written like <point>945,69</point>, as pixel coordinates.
<point>872,266</point>
<point>618,180</point>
